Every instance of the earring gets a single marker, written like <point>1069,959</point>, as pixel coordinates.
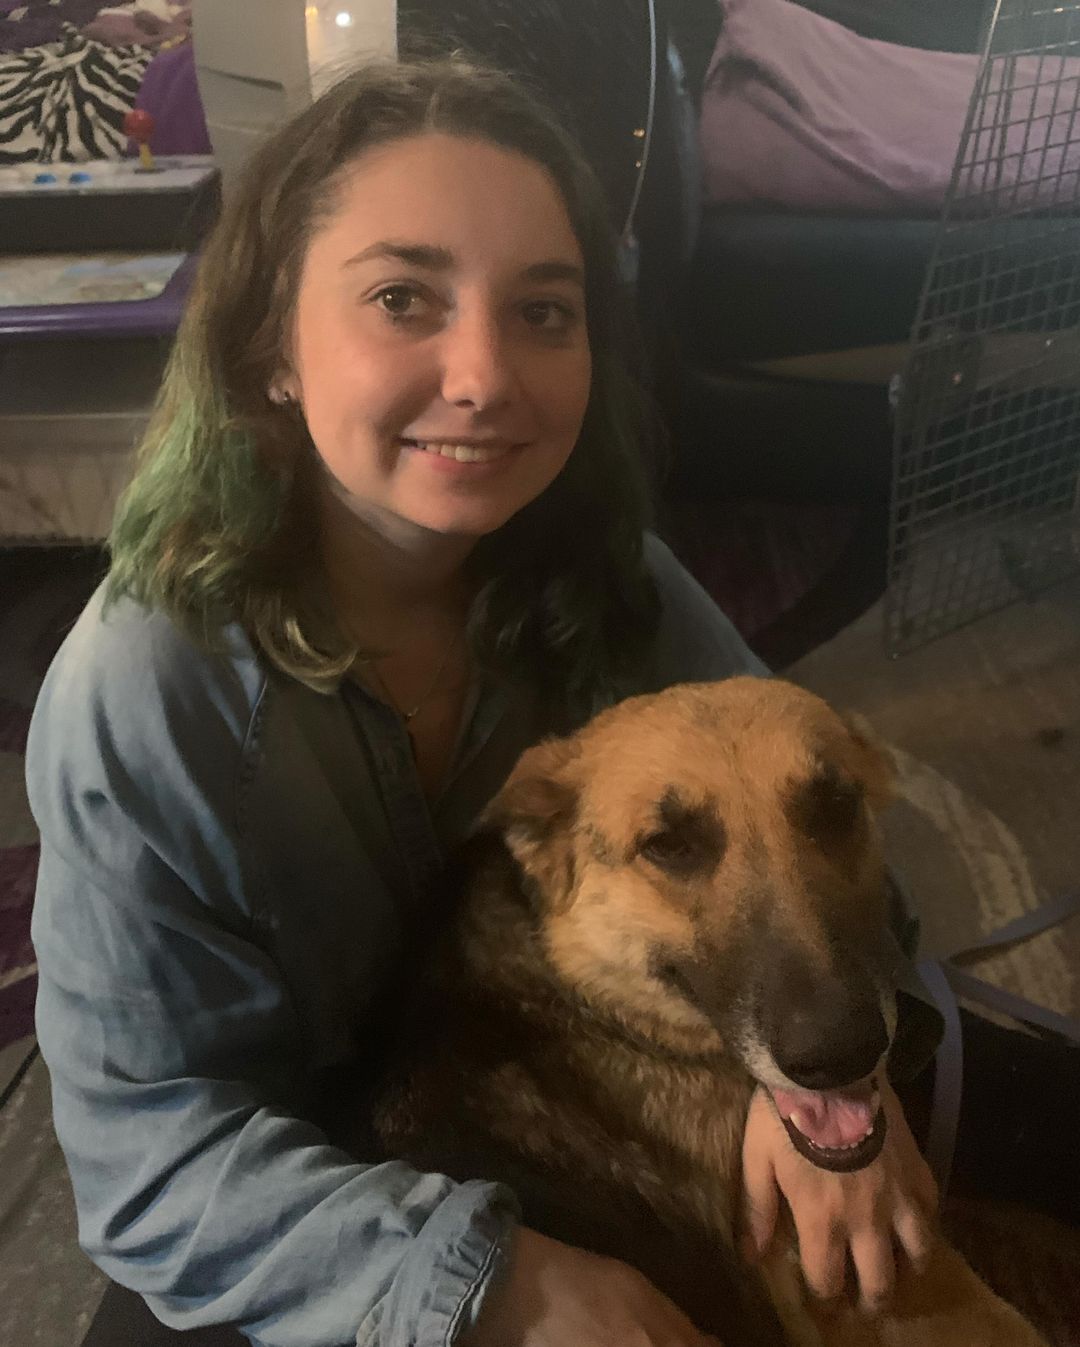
<point>278,396</point>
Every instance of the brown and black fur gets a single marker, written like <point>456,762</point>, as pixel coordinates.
<point>686,895</point>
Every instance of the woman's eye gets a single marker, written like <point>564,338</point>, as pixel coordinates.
<point>549,315</point>
<point>398,301</point>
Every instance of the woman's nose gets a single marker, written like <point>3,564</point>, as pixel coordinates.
<point>477,365</point>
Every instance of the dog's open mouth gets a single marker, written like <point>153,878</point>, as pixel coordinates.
<point>841,1130</point>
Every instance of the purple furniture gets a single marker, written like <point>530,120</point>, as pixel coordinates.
<point>156,317</point>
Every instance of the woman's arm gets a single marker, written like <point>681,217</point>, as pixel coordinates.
<point>173,1054</point>
<point>177,1061</point>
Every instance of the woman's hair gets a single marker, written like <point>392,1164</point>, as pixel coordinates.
<point>218,524</point>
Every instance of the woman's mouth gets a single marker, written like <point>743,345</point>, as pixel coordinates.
<point>462,452</point>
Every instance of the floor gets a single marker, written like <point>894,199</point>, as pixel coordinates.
<point>48,1289</point>
<point>985,731</point>
<point>994,709</point>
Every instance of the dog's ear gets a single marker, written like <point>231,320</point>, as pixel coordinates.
<point>873,763</point>
<point>534,812</point>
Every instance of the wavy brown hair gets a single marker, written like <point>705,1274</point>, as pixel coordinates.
<point>218,523</point>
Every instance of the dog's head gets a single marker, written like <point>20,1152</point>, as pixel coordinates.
<point>704,867</point>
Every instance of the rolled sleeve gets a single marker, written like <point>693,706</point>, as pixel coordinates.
<point>453,1261</point>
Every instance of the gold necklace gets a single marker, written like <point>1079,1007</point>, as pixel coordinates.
<point>410,714</point>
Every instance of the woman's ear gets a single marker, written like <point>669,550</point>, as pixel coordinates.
<point>284,389</point>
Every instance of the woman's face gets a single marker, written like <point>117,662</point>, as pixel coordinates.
<point>439,347</point>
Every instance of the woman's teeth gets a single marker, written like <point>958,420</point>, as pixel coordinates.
<point>463,453</point>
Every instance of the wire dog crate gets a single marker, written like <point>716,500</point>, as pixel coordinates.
<point>987,455</point>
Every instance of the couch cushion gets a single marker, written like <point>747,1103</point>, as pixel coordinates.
<point>766,285</point>
<point>801,113</point>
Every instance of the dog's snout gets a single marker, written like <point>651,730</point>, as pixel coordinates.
<point>824,1032</point>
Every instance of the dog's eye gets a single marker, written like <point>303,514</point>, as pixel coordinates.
<point>688,837</point>
<point>826,807</point>
<point>670,850</point>
<point>838,806</point>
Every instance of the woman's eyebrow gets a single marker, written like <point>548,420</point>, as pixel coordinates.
<point>555,271</point>
<point>429,257</point>
<point>424,255</point>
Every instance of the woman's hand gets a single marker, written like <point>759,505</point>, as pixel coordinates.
<point>864,1214</point>
<point>554,1295</point>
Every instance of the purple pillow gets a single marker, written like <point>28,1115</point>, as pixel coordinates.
<point>170,92</point>
<point>800,113</point>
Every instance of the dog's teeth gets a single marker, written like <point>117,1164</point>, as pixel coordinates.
<point>799,1120</point>
<point>853,1144</point>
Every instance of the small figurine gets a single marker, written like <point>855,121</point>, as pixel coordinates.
<point>139,125</point>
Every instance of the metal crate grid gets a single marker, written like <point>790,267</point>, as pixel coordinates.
<point>984,506</point>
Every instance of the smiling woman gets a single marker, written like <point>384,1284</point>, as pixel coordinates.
<point>445,375</point>
<point>406,353</point>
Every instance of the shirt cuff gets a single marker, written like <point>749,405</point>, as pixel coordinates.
<point>454,1261</point>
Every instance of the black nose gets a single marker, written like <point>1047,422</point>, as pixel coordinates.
<point>824,1032</point>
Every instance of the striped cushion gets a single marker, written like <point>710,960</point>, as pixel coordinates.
<point>66,101</point>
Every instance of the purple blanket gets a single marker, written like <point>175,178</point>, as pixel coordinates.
<point>42,21</point>
<point>800,113</point>
<point>170,92</point>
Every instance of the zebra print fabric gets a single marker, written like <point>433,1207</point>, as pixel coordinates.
<point>66,101</point>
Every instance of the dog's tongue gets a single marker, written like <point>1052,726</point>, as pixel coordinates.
<point>832,1119</point>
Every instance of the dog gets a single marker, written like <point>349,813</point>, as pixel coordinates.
<point>682,901</point>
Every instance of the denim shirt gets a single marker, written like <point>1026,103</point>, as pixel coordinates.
<point>231,867</point>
